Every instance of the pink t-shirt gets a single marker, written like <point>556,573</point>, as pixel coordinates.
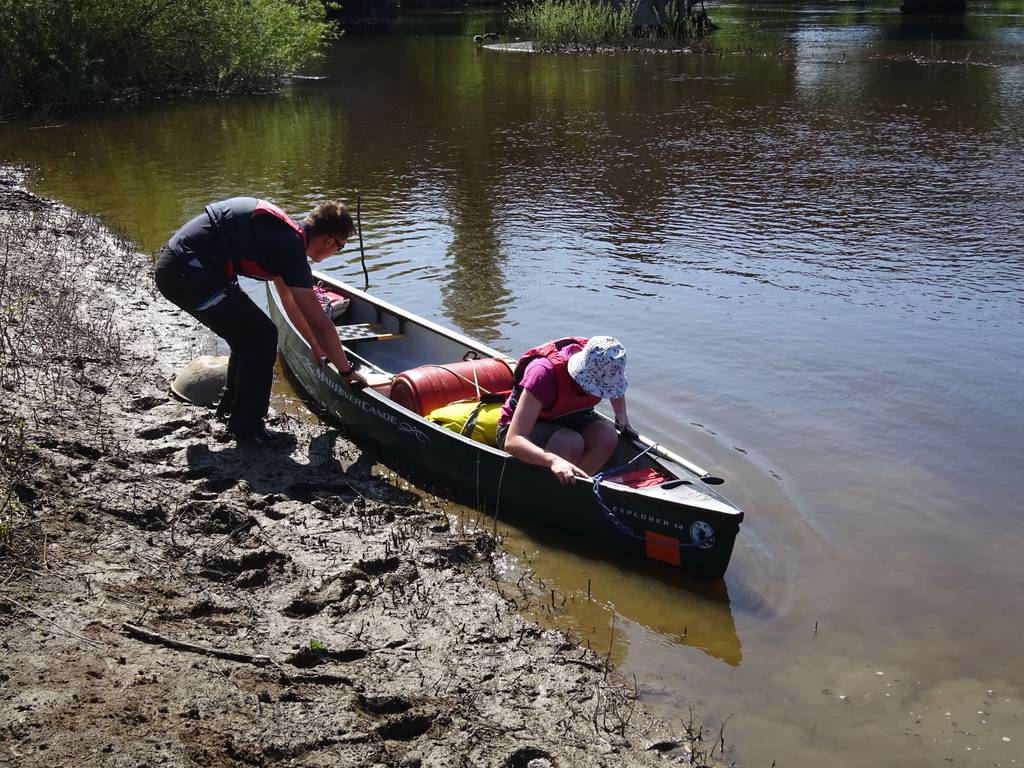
<point>539,379</point>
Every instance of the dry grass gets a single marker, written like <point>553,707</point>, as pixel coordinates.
<point>59,350</point>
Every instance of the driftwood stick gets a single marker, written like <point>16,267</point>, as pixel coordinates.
<point>582,663</point>
<point>149,636</point>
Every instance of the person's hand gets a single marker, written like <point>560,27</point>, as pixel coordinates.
<point>355,380</point>
<point>566,471</point>
<point>621,419</point>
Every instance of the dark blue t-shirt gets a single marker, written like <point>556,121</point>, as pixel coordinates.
<point>276,247</point>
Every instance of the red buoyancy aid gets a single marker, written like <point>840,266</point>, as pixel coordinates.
<point>233,219</point>
<point>570,397</point>
<point>266,207</point>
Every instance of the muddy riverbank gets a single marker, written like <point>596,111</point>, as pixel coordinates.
<point>168,597</point>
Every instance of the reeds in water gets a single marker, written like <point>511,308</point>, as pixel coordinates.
<point>591,25</point>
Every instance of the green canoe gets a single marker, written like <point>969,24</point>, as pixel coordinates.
<point>679,520</point>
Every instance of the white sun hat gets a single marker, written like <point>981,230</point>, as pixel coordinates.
<point>600,367</point>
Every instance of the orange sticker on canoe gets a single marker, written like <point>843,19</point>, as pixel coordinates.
<point>661,547</point>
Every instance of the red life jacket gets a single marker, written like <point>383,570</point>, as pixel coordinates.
<point>233,220</point>
<point>570,397</point>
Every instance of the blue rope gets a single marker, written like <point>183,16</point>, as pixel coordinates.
<point>602,475</point>
<point>620,526</point>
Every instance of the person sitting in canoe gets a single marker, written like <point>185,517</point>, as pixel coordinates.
<point>549,419</point>
<point>198,270</point>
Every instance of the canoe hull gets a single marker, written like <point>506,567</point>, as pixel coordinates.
<point>694,538</point>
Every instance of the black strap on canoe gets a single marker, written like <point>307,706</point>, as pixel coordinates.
<point>470,425</point>
<point>485,399</point>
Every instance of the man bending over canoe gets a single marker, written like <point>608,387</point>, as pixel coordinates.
<point>198,270</point>
<point>549,417</point>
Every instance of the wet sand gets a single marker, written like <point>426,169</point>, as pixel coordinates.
<point>168,597</point>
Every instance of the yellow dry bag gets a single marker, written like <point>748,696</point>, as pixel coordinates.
<point>471,418</point>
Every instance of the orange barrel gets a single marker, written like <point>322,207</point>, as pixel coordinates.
<point>429,387</point>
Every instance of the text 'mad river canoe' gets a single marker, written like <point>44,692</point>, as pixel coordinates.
<point>659,506</point>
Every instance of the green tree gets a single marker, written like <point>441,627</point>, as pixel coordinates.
<point>69,52</point>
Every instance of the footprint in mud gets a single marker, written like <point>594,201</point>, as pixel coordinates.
<point>453,555</point>
<point>460,553</point>
<point>83,450</point>
<point>405,575</point>
<point>523,756</point>
<point>275,513</point>
<point>383,705</point>
<point>225,518</point>
<point>152,517</point>
<point>661,747</point>
<point>312,601</point>
<point>24,493</point>
<point>211,481</point>
<point>268,500</point>
<point>161,430</point>
<point>321,678</point>
<point>249,569</point>
<point>378,565</point>
<point>207,607</point>
<point>146,403</point>
<point>306,658</point>
<point>307,491</point>
<point>157,455</point>
<point>406,725</point>
<point>441,524</point>
<point>205,516</point>
<point>71,448</point>
<point>252,579</point>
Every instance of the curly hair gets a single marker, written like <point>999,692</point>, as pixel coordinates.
<point>330,219</point>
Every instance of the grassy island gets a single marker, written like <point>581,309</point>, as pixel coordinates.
<point>590,25</point>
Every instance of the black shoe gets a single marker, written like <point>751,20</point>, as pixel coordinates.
<point>223,412</point>
<point>258,434</point>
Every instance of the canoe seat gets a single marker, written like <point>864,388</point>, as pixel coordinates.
<point>364,332</point>
<point>428,387</point>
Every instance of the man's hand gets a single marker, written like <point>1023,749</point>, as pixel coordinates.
<point>318,354</point>
<point>355,380</point>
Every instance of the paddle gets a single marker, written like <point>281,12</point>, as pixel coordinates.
<point>362,251</point>
<point>673,457</point>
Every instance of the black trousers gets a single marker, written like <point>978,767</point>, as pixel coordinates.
<point>248,331</point>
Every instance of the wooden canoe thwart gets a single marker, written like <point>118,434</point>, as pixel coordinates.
<point>658,506</point>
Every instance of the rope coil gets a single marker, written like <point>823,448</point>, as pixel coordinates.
<point>620,526</point>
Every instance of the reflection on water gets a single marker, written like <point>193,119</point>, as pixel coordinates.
<point>813,257</point>
<point>474,289</point>
<point>591,593</point>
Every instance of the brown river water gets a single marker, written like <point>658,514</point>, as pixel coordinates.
<point>811,248</point>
